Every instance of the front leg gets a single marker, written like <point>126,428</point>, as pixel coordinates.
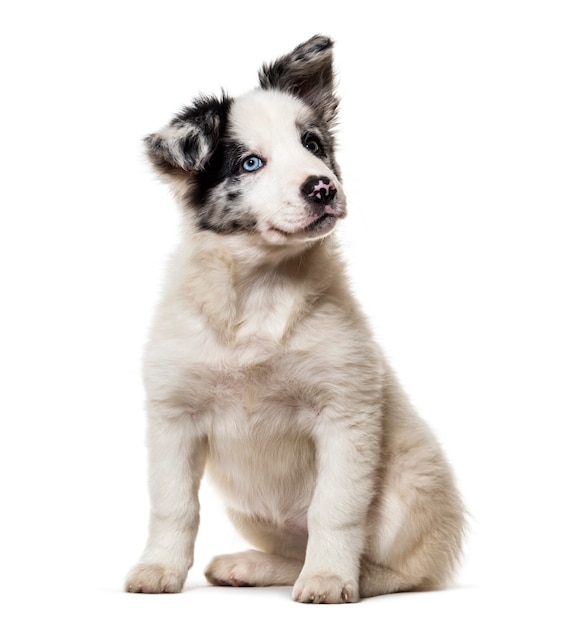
<point>347,459</point>
<point>177,455</point>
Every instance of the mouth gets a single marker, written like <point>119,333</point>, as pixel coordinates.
<point>319,227</point>
<point>322,223</point>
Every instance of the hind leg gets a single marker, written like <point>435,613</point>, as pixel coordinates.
<point>278,559</point>
<point>421,560</point>
<point>377,580</point>
<point>253,569</point>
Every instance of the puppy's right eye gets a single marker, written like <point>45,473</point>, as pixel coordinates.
<point>252,163</point>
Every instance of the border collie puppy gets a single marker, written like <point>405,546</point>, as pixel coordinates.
<point>262,369</point>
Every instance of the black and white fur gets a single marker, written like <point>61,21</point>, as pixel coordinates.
<point>261,367</point>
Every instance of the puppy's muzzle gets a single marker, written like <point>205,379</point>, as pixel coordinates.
<point>319,189</point>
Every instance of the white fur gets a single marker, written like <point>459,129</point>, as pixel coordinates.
<point>261,366</point>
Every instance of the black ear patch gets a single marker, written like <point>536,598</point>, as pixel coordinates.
<point>187,143</point>
<point>306,72</point>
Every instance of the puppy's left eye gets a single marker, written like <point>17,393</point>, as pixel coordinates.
<point>312,143</point>
<point>252,163</point>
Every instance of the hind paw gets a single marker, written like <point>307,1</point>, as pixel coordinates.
<point>228,571</point>
<point>252,569</point>
<point>236,570</point>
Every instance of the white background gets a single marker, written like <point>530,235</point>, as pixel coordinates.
<point>457,148</point>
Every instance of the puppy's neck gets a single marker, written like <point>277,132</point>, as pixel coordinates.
<point>246,292</point>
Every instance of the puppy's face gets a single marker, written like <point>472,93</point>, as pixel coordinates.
<point>263,163</point>
<point>273,173</point>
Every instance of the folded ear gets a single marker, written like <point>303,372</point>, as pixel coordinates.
<point>306,72</point>
<point>188,141</point>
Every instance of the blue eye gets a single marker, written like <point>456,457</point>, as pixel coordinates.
<point>252,163</point>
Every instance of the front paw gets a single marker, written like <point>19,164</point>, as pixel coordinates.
<point>155,578</point>
<point>324,589</point>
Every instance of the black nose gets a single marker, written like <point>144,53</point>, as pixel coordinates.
<point>319,189</point>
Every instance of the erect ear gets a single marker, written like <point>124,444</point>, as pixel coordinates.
<point>306,72</point>
<point>188,141</point>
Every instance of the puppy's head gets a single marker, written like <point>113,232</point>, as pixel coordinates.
<point>263,163</point>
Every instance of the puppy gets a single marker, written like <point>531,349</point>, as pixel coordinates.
<point>262,368</point>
